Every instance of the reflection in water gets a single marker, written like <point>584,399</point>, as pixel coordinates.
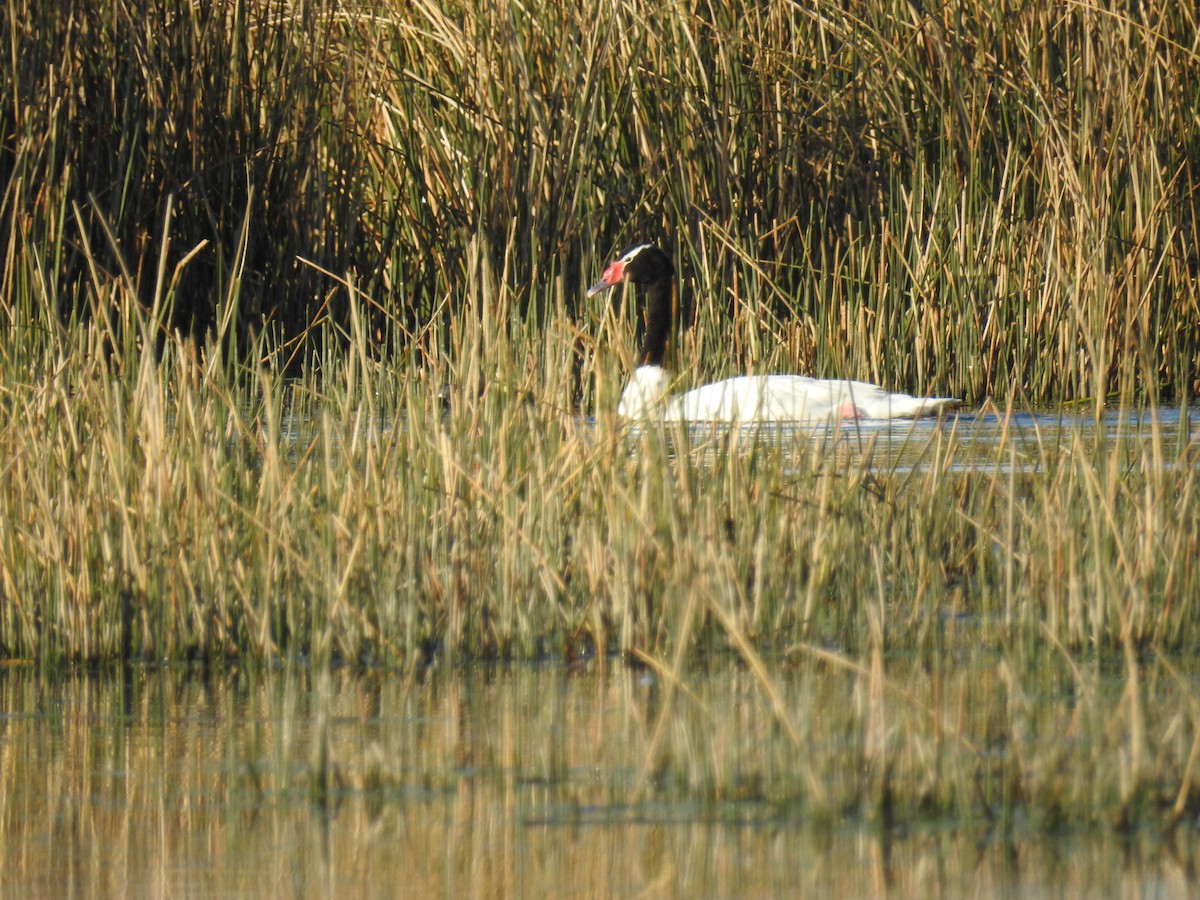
<point>491,781</point>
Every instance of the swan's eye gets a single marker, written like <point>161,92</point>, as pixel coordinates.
<point>628,257</point>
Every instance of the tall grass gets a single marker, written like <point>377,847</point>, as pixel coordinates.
<point>989,201</point>
<point>296,361</point>
<point>420,482</point>
<point>182,504</point>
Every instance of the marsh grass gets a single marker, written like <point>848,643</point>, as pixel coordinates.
<point>171,502</point>
<point>297,366</point>
<point>972,201</point>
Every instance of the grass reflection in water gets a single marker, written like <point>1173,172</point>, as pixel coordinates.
<point>523,779</point>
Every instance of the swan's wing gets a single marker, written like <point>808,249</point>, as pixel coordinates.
<point>798,398</point>
<point>732,400</point>
<point>757,398</point>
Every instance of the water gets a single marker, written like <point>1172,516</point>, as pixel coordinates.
<point>1021,442</point>
<point>493,781</point>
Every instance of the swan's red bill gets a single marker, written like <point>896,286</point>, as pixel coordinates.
<point>612,275</point>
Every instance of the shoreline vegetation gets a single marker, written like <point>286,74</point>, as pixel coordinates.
<point>296,362</point>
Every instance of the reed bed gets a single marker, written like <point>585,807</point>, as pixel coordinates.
<point>177,504</point>
<point>296,363</point>
<point>979,200</point>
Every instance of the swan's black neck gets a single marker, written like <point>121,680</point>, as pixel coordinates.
<point>659,312</point>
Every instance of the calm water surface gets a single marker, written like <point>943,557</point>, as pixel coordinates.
<point>1022,442</point>
<point>497,782</point>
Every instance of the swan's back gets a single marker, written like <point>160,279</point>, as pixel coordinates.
<point>797,398</point>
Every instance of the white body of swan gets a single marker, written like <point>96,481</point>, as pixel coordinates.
<point>769,398</point>
<point>745,399</point>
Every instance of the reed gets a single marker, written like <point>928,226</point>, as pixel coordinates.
<point>990,203</point>
<point>296,362</point>
<point>171,502</point>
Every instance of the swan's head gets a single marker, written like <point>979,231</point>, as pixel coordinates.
<point>644,394</point>
<point>644,264</point>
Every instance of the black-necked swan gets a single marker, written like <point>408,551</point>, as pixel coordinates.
<point>747,398</point>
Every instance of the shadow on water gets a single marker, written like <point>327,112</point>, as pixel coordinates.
<point>503,781</point>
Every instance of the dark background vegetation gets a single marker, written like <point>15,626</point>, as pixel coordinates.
<point>383,141</point>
